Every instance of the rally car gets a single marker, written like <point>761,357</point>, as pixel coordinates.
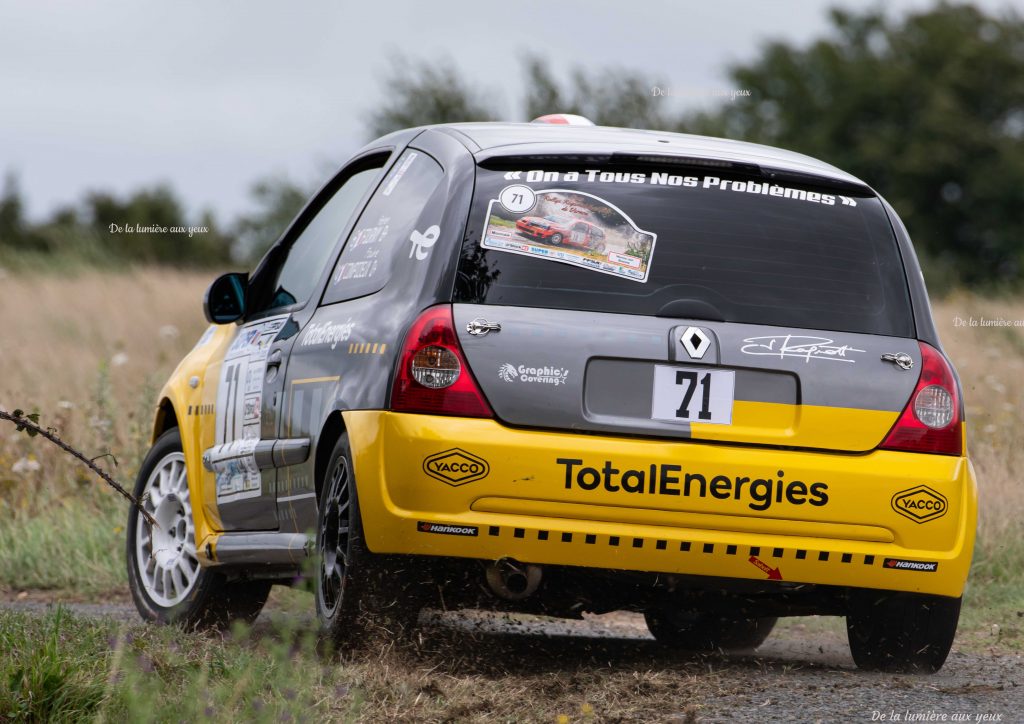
<point>558,230</point>
<point>747,414</point>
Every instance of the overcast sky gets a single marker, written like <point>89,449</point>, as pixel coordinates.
<point>210,96</point>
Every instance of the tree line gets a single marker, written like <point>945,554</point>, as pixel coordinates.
<point>927,107</point>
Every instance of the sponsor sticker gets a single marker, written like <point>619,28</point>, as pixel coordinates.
<point>799,347</point>
<point>470,531</point>
<point>571,227</point>
<point>542,375</point>
<point>456,467</point>
<point>327,333</point>
<point>238,408</point>
<point>921,504</point>
<point>760,493</point>
<point>902,564</point>
<point>422,243</point>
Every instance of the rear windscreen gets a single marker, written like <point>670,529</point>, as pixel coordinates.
<point>686,243</point>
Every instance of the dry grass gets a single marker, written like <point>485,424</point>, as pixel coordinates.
<point>87,351</point>
<point>990,361</point>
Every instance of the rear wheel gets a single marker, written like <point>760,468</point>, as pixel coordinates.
<point>166,580</point>
<point>706,632</point>
<point>357,591</point>
<point>901,632</point>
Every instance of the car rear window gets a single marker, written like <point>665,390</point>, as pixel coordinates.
<point>684,242</point>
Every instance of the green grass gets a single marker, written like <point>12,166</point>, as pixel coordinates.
<point>64,668</point>
<point>75,547</point>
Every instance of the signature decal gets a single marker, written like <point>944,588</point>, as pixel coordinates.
<point>802,347</point>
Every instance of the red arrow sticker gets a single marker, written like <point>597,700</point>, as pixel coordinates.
<point>773,573</point>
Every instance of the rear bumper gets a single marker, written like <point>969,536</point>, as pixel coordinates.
<point>466,488</point>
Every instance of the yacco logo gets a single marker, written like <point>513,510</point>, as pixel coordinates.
<point>901,564</point>
<point>446,529</point>
<point>545,375</point>
<point>456,467</point>
<point>920,504</point>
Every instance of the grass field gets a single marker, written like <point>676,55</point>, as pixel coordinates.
<point>89,352</point>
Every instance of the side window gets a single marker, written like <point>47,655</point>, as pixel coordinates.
<point>304,259</point>
<point>387,229</point>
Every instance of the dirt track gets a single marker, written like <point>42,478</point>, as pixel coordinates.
<point>802,673</point>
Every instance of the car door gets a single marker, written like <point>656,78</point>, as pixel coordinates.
<point>247,445</point>
<point>345,350</point>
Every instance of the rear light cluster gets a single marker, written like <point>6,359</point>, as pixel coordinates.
<point>931,421</point>
<point>432,376</point>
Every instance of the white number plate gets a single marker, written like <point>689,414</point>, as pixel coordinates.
<point>693,394</point>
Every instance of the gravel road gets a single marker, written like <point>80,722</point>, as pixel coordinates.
<point>802,673</point>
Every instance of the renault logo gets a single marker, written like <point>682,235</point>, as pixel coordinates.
<point>695,342</point>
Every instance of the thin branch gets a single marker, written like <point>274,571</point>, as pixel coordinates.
<point>24,422</point>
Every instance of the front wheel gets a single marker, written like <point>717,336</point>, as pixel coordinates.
<point>555,239</point>
<point>167,582</point>
<point>693,631</point>
<point>901,632</point>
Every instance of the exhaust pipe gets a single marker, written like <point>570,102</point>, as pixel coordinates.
<point>512,580</point>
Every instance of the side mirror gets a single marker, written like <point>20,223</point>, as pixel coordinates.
<point>225,299</point>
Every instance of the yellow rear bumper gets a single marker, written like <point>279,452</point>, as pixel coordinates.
<point>467,488</point>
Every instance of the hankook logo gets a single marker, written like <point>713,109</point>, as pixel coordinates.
<point>446,529</point>
<point>920,504</point>
<point>902,564</point>
<point>456,467</point>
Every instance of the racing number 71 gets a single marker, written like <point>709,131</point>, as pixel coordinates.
<point>690,380</point>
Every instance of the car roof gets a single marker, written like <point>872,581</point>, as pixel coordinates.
<point>488,140</point>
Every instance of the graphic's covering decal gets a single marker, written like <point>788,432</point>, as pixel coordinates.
<point>522,373</point>
<point>571,227</point>
<point>239,405</point>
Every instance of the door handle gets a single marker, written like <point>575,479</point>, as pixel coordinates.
<point>274,360</point>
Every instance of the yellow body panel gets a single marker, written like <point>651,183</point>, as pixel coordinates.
<point>811,426</point>
<point>196,413</point>
<point>531,508</point>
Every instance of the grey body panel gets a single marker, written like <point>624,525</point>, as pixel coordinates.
<point>608,362</point>
<point>273,549</point>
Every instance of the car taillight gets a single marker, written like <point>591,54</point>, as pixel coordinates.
<point>432,375</point>
<point>930,422</point>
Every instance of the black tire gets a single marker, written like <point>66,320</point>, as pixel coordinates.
<point>901,632</point>
<point>357,592</point>
<point>706,632</point>
<point>555,239</point>
<point>599,247</point>
<point>211,601</point>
